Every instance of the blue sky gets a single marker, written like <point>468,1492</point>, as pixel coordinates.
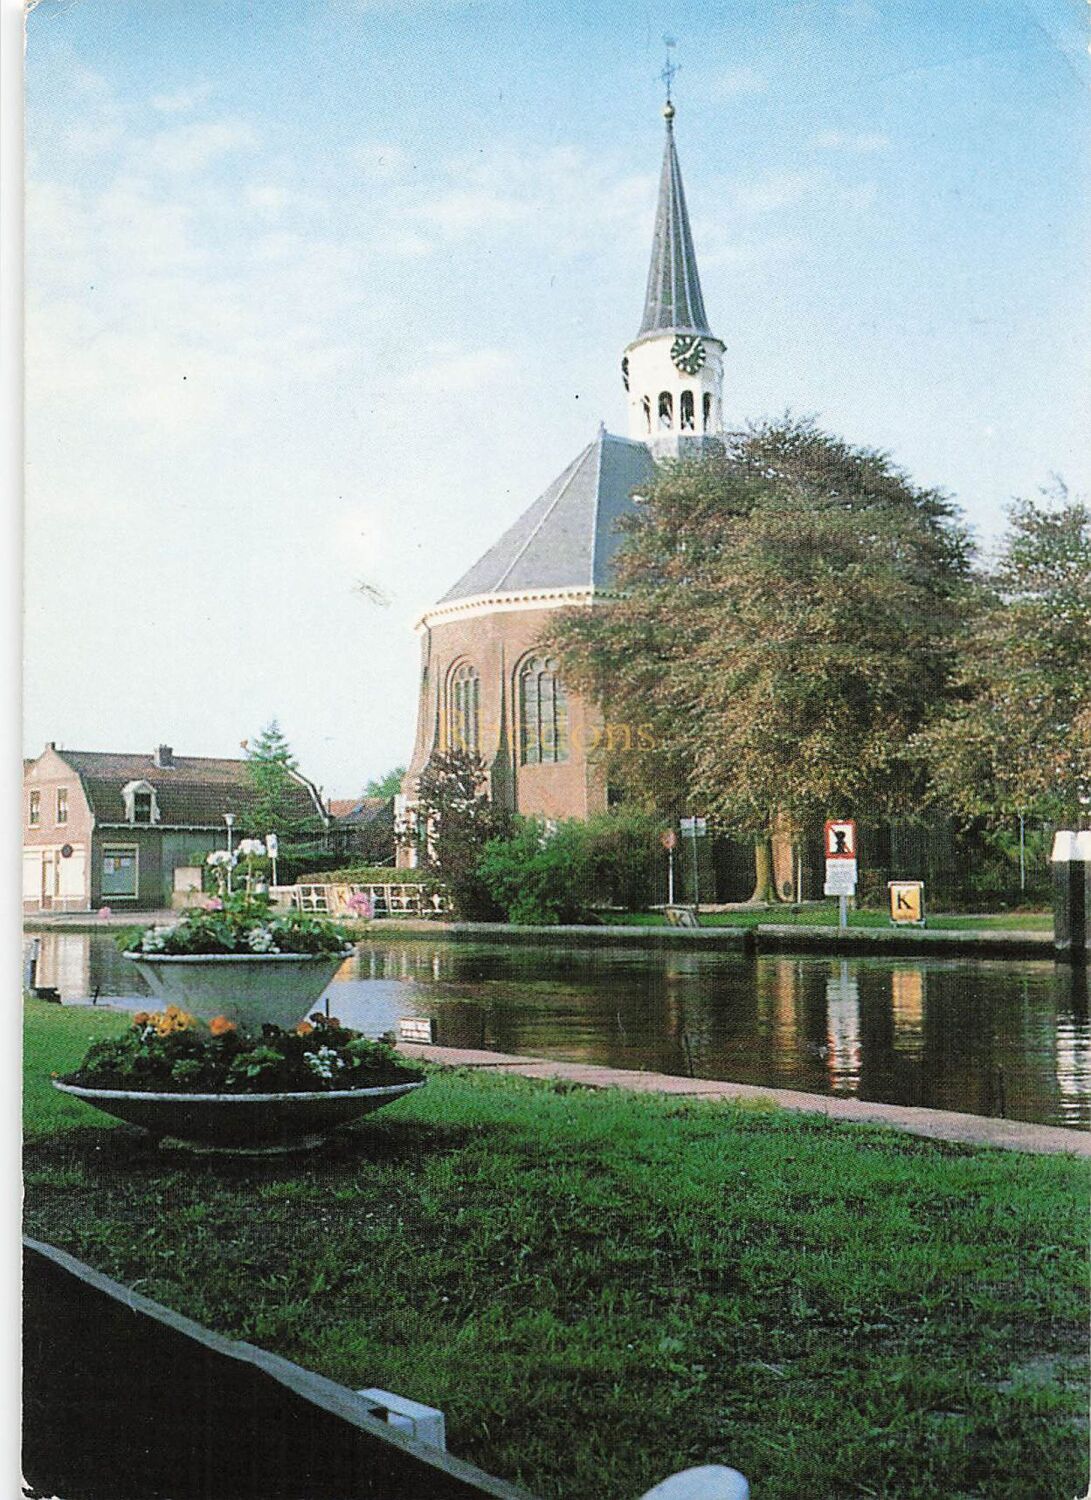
<point>327,291</point>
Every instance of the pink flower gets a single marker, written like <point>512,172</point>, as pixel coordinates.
<point>214,905</point>
<point>104,911</point>
<point>359,903</point>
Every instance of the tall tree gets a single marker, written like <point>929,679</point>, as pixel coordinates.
<point>388,785</point>
<point>277,806</point>
<point>1017,737</point>
<point>785,628</point>
<point>455,820</point>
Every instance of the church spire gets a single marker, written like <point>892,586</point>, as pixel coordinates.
<point>673,370</point>
<point>673,299</point>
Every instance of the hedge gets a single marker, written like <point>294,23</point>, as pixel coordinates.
<point>366,875</point>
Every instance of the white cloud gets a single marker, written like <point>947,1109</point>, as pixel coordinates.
<point>841,140</point>
<point>379,159</point>
<point>738,82</point>
<point>774,190</point>
<point>191,148</point>
<point>183,101</point>
<point>456,372</point>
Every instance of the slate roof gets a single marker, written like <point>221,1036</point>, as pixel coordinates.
<point>195,790</point>
<point>567,539</point>
<point>673,299</point>
<point>359,811</point>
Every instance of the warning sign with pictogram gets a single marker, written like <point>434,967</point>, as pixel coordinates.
<point>840,839</point>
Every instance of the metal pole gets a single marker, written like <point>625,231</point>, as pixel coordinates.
<point>670,876</point>
<point>842,912</point>
<point>1022,854</point>
<point>696,877</point>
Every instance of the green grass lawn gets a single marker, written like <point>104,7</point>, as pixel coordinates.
<point>600,1288</point>
<point>824,914</point>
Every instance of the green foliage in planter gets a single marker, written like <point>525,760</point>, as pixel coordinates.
<point>170,1052</point>
<point>240,924</point>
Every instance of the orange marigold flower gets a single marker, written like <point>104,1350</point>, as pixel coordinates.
<point>304,1028</point>
<point>141,1018</point>
<point>220,1026</point>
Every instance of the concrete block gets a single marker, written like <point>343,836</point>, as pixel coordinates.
<point>426,1424</point>
<point>708,1482</point>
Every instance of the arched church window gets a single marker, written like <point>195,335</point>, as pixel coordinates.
<point>648,412</point>
<point>707,405</point>
<point>685,411</point>
<point>543,713</point>
<point>465,709</point>
<point>666,410</point>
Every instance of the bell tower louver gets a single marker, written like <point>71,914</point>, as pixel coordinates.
<point>673,369</point>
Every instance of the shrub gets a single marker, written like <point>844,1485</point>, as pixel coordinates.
<point>540,875</point>
<point>625,857</point>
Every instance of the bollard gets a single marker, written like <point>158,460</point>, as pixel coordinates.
<point>1071,861</point>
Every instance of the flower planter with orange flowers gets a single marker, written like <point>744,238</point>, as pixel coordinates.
<point>220,1086</point>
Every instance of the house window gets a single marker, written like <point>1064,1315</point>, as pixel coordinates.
<point>464,709</point>
<point>707,409</point>
<point>62,804</point>
<point>666,410</point>
<point>119,870</point>
<point>543,713</point>
<point>647,404</point>
<point>140,802</point>
<point>685,411</point>
<point>34,817</point>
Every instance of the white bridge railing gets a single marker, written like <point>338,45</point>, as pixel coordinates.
<point>388,899</point>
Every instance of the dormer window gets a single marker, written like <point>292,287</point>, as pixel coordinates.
<point>141,804</point>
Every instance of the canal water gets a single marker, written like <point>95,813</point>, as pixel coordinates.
<point>991,1038</point>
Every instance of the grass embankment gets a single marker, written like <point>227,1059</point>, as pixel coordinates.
<point>825,915</point>
<point>599,1288</point>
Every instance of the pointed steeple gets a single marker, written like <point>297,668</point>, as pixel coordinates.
<point>673,299</point>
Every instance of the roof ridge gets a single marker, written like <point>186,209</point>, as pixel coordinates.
<point>576,466</point>
<point>600,444</point>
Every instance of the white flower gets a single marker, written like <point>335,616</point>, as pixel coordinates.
<point>251,846</point>
<point>262,940</point>
<point>220,857</point>
<point>154,939</point>
<point>324,1062</point>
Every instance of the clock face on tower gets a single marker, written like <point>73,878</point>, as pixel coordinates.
<point>688,353</point>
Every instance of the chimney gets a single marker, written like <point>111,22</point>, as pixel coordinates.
<point>164,756</point>
<point>51,744</point>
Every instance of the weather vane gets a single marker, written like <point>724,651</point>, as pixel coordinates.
<point>669,68</point>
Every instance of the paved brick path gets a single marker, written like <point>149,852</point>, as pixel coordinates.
<point>937,1124</point>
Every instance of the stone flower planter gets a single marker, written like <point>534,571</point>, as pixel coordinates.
<point>249,989</point>
<point>241,1122</point>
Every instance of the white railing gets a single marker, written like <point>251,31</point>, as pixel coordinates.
<point>387,898</point>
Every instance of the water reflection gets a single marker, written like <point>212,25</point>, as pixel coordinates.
<point>989,1038</point>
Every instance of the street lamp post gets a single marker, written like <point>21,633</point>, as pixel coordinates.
<point>229,819</point>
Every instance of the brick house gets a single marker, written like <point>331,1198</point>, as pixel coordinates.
<point>132,831</point>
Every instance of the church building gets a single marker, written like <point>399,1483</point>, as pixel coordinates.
<point>486,684</point>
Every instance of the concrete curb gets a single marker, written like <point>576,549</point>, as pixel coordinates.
<point>934,1124</point>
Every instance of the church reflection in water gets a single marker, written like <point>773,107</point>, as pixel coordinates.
<point>987,1038</point>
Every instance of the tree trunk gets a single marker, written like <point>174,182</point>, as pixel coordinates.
<point>765,887</point>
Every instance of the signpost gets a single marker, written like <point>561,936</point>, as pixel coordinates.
<point>841,869</point>
<point>906,902</point>
<point>696,828</point>
<point>669,839</point>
